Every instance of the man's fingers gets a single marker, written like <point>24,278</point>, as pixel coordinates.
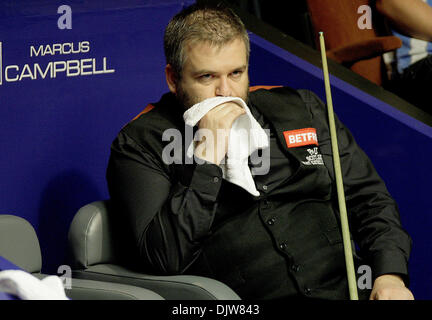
<point>226,109</point>
<point>233,111</point>
<point>234,114</point>
<point>223,116</point>
<point>218,123</point>
<point>392,294</point>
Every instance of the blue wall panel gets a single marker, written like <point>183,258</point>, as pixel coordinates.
<point>56,131</point>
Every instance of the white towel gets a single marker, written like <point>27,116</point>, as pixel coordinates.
<point>245,137</point>
<point>27,287</point>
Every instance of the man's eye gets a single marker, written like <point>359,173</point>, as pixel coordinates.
<point>237,73</point>
<point>205,77</point>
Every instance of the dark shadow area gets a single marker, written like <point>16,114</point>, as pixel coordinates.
<point>290,27</point>
<point>299,47</point>
<point>60,200</point>
<point>291,18</point>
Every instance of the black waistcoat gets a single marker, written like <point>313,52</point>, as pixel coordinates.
<point>272,246</point>
<point>289,244</point>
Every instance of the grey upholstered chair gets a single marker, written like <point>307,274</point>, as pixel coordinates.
<point>19,244</point>
<point>95,253</point>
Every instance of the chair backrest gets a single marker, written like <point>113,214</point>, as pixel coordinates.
<point>19,243</point>
<point>338,19</point>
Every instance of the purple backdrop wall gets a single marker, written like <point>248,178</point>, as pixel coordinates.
<point>57,126</point>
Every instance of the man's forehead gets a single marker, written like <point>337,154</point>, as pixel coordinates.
<point>198,53</point>
<point>201,47</point>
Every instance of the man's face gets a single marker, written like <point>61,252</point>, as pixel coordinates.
<point>211,71</point>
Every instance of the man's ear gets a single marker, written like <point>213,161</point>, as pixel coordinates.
<point>171,78</point>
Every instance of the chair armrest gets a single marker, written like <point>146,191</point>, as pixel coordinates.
<point>90,235</point>
<point>94,258</point>
<point>181,287</point>
<point>82,289</point>
<point>97,290</point>
<point>364,49</point>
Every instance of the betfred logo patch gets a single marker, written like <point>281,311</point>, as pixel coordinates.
<point>301,137</point>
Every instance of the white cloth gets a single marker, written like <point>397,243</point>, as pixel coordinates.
<point>27,287</point>
<point>245,137</point>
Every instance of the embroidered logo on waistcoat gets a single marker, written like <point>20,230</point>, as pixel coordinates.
<point>314,157</point>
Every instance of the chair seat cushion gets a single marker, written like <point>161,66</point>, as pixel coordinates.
<point>186,287</point>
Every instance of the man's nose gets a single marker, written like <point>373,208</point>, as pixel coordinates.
<point>223,88</point>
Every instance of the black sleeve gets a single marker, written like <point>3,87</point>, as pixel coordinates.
<point>372,212</point>
<point>168,218</point>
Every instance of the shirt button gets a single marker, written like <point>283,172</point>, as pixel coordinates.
<point>215,179</point>
<point>307,291</point>
<point>295,267</point>
<point>283,245</point>
<point>271,221</point>
<point>265,187</point>
<point>266,204</point>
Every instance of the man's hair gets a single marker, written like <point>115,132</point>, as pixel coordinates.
<point>215,24</point>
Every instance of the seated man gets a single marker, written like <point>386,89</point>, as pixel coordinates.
<point>411,21</point>
<point>283,242</point>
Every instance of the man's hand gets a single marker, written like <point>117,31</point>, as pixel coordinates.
<point>390,287</point>
<point>214,145</point>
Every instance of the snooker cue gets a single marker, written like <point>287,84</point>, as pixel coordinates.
<point>349,261</point>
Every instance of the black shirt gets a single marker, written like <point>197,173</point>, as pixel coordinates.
<point>186,219</point>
